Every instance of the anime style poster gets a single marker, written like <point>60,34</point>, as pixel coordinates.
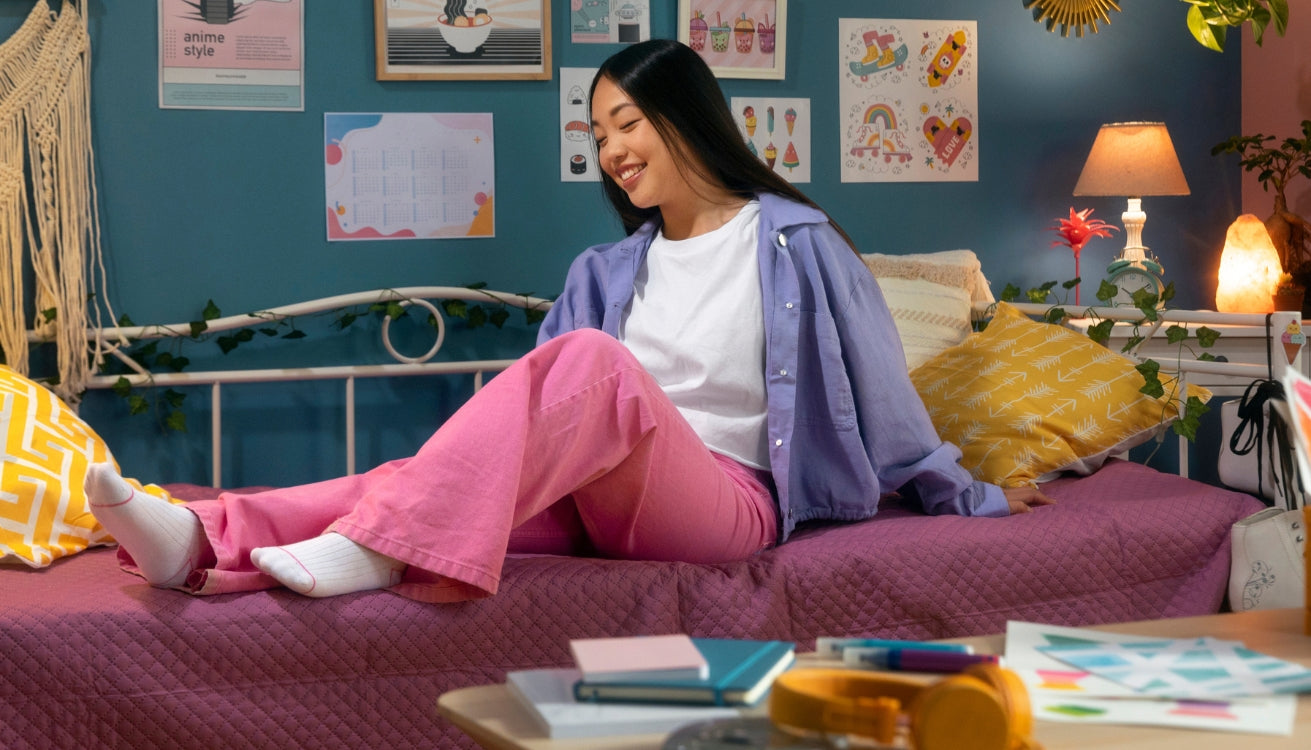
<point>235,54</point>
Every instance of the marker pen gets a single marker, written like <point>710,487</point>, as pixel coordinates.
<point>914,660</point>
<point>834,647</point>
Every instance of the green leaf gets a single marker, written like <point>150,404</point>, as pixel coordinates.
<point>1106,292</point>
<point>1150,370</point>
<point>174,398</point>
<point>1072,283</point>
<point>533,315</point>
<point>211,311</point>
<point>227,343</point>
<point>49,314</point>
<point>1167,294</point>
<point>344,320</point>
<point>1054,315</point>
<point>269,331</point>
<point>1207,336</point>
<point>499,316</point>
<point>198,327</point>
<point>1132,342</point>
<point>295,333</point>
<point>137,404</point>
<point>124,321</point>
<point>1176,334</point>
<point>455,308</point>
<point>395,310</point>
<point>178,364</point>
<point>1039,294</point>
<point>176,421</point>
<point>121,387</point>
<point>1009,294</point>
<point>245,335</point>
<point>1202,31</point>
<point>1188,422</point>
<point>477,316</point>
<point>1101,332</point>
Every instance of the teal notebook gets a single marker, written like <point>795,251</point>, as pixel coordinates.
<point>741,672</point>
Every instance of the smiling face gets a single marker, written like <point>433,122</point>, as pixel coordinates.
<point>630,150</point>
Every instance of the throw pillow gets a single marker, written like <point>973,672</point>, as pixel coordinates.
<point>1025,400</point>
<point>929,296</point>
<point>929,317</point>
<point>43,461</point>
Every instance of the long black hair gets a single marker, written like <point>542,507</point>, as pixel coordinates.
<point>675,89</point>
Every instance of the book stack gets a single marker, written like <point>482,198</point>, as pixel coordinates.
<point>649,684</point>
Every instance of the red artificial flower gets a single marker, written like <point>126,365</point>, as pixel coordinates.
<point>1075,233</point>
<point>1078,229</point>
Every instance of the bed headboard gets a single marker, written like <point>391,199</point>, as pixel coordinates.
<point>1249,341</point>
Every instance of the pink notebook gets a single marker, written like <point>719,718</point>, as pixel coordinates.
<point>672,657</point>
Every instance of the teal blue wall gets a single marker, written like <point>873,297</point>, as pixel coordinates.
<point>227,206</point>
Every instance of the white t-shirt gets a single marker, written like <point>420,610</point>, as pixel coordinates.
<point>696,323</point>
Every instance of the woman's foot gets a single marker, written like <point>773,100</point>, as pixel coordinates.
<point>328,565</point>
<point>165,540</point>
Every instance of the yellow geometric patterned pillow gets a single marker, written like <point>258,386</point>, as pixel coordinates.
<point>1023,399</point>
<point>46,450</point>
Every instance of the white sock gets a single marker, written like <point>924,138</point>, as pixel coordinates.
<point>164,539</point>
<point>327,565</point>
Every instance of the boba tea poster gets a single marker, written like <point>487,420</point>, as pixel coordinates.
<point>736,38</point>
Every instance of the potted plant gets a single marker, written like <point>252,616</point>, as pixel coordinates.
<point>1276,165</point>
<point>1289,293</point>
<point>1208,20</point>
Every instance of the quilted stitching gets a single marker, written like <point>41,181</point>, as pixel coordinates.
<point>92,657</point>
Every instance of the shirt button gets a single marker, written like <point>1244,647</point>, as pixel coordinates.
<point>778,442</point>
<point>783,372</point>
<point>788,305</point>
<point>782,240</point>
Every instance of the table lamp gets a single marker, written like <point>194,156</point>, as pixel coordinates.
<point>1133,159</point>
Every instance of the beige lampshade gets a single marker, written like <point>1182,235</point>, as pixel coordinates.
<point>1132,159</point>
<point>1249,268</point>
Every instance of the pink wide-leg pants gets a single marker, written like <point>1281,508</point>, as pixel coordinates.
<point>574,448</point>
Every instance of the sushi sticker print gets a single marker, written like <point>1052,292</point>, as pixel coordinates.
<point>909,99</point>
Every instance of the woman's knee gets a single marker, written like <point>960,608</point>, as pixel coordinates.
<point>589,343</point>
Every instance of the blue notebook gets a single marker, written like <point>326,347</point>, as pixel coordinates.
<point>741,672</point>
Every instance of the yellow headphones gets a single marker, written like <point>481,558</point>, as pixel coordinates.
<point>985,707</point>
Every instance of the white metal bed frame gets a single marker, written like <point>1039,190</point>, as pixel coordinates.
<point>113,340</point>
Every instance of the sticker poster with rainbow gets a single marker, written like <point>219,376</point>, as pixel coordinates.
<point>908,95</point>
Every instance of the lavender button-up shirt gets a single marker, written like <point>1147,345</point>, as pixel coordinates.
<point>845,424</point>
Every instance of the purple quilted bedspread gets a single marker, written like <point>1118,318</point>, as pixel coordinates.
<point>93,657</point>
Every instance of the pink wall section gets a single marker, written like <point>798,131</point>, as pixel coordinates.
<point>1276,99</point>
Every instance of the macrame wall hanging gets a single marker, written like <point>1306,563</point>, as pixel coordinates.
<point>49,220</point>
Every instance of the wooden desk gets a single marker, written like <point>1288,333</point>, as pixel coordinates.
<point>491,715</point>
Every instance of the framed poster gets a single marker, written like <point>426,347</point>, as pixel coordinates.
<point>418,40</point>
<point>736,38</point>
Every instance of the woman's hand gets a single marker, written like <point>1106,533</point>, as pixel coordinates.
<point>1025,499</point>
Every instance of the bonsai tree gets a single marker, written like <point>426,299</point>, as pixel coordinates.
<point>1208,20</point>
<point>1276,165</point>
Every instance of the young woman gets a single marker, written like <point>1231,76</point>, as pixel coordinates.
<point>727,371</point>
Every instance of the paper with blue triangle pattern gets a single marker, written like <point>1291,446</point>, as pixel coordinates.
<point>1189,668</point>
